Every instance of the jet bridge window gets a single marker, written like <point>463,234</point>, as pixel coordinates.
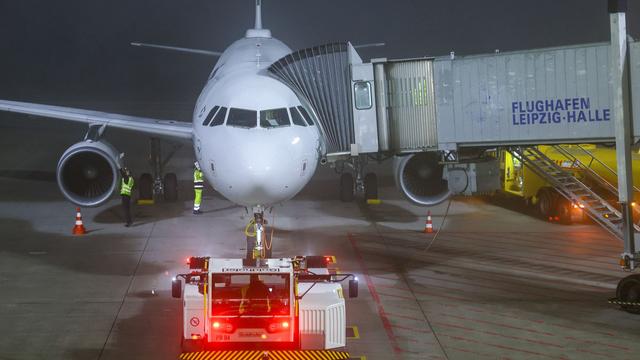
<point>362,95</point>
<point>207,120</point>
<point>274,118</point>
<point>242,118</point>
<point>296,117</point>
<point>219,118</point>
<point>305,115</point>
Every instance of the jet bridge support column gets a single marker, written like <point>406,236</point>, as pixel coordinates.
<point>622,122</point>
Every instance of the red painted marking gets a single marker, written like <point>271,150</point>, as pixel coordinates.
<point>534,341</point>
<point>406,317</point>
<point>376,298</point>
<point>411,329</point>
<point>501,325</point>
<point>598,343</point>
<point>503,347</point>
<point>398,296</point>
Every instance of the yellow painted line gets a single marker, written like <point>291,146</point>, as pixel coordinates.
<point>356,333</point>
<point>145,202</point>
<point>374,201</point>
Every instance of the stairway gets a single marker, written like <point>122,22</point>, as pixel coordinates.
<point>600,210</point>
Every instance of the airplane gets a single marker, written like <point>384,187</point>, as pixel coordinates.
<point>256,143</point>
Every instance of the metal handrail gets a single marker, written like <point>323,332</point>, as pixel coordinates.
<point>606,184</point>
<point>636,189</point>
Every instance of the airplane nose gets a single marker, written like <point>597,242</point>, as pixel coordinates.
<point>264,173</point>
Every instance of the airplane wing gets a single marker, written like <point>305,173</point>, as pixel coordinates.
<point>168,128</point>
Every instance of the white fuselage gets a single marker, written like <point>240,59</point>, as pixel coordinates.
<point>261,163</point>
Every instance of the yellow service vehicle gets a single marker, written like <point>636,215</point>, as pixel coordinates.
<point>520,181</point>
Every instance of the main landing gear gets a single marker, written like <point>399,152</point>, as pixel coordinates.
<point>366,185</point>
<point>158,183</point>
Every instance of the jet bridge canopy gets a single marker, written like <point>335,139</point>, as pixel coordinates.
<point>553,95</point>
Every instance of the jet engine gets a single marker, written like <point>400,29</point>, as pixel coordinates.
<point>87,172</point>
<point>419,178</point>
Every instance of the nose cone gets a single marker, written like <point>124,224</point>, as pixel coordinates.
<point>265,172</point>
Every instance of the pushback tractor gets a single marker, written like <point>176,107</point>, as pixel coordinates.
<point>268,306</point>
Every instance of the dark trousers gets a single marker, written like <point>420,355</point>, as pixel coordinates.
<point>126,206</point>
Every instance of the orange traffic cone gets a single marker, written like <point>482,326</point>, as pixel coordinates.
<point>428,225</point>
<point>79,228</point>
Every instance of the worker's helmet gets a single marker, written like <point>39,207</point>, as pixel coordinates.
<point>196,164</point>
<point>126,171</point>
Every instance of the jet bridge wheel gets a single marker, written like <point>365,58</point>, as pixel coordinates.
<point>346,187</point>
<point>145,187</point>
<point>170,187</point>
<point>370,186</point>
<point>629,291</point>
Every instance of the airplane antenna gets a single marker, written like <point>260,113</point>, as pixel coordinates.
<point>258,25</point>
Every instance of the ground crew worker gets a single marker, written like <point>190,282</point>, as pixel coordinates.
<point>126,185</point>
<point>198,185</point>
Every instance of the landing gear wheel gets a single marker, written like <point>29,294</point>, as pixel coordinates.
<point>629,291</point>
<point>145,187</point>
<point>170,187</point>
<point>545,203</point>
<point>346,187</point>
<point>563,210</point>
<point>370,186</point>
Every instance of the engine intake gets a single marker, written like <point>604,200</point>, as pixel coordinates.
<point>87,173</point>
<point>419,178</point>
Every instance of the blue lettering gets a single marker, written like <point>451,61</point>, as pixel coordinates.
<point>539,105</point>
<point>571,116</point>
<point>530,106</point>
<point>514,107</point>
<point>513,116</point>
<point>576,103</point>
<point>559,105</point>
<point>581,116</point>
<point>542,118</point>
<point>556,117</point>
<point>567,103</point>
<point>534,117</point>
<point>606,115</point>
<point>548,105</point>
<point>523,119</point>
<point>584,103</point>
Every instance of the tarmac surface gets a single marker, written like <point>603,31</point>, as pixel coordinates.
<point>495,283</point>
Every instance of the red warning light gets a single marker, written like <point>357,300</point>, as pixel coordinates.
<point>216,325</point>
<point>285,324</point>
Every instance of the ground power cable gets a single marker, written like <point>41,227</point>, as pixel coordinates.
<point>406,281</point>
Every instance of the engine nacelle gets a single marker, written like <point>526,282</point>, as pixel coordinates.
<point>419,178</point>
<point>87,172</point>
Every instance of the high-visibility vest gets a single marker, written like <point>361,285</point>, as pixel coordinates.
<point>198,180</point>
<point>243,292</point>
<point>125,187</point>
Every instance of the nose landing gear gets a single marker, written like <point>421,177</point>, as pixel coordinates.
<point>259,240</point>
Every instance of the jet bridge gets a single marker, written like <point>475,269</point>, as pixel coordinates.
<point>542,96</point>
<point>436,116</point>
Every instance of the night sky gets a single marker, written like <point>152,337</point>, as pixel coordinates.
<point>75,52</point>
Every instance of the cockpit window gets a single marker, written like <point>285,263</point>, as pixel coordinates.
<point>296,117</point>
<point>274,118</point>
<point>207,120</point>
<point>242,118</point>
<point>219,118</point>
<point>305,114</point>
